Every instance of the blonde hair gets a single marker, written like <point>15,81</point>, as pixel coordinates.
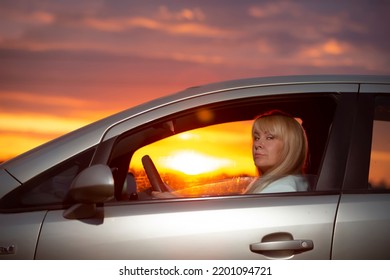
<point>295,146</point>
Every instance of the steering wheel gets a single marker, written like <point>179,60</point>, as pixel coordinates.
<point>153,175</point>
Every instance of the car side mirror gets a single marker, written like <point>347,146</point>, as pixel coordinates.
<point>93,185</point>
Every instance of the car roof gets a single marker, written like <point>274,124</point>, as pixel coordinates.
<point>31,163</point>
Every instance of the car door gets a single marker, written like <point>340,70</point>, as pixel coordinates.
<point>272,226</point>
<point>197,229</point>
<point>363,221</point>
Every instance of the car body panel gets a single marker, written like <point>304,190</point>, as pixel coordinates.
<point>363,227</point>
<point>20,231</point>
<point>7,183</point>
<point>193,229</point>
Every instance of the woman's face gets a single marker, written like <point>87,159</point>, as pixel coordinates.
<point>267,150</point>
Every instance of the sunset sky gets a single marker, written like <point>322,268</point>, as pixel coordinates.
<point>64,64</point>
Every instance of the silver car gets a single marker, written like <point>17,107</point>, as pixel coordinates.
<point>87,194</point>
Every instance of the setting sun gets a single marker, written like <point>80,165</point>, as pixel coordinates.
<point>194,163</point>
<point>212,150</point>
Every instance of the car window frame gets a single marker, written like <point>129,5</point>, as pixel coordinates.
<point>358,165</point>
<point>335,186</point>
<point>356,172</point>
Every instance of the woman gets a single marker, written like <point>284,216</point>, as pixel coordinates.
<point>279,153</point>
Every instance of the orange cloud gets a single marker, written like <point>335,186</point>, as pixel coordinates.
<point>187,27</point>
<point>274,9</point>
<point>197,58</point>
<point>22,132</point>
<point>42,17</point>
<point>27,128</point>
<point>31,98</point>
<point>12,144</point>
<point>333,47</point>
<point>39,123</point>
<point>196,29</point>
<point>86,109</point>
<point>329,53</point>
<point>38,17</point>
<point>184,14</point>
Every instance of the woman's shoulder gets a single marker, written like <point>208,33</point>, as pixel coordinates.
<point>289,183</point>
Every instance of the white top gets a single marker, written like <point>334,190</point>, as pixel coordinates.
<point>290,183</point>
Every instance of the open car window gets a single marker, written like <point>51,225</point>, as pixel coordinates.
<point>207,151</point>
<point>214,160</point>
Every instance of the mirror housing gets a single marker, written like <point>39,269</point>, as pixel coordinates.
<point>93,185</point>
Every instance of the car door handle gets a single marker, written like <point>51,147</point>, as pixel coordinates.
<point>297,246</point>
